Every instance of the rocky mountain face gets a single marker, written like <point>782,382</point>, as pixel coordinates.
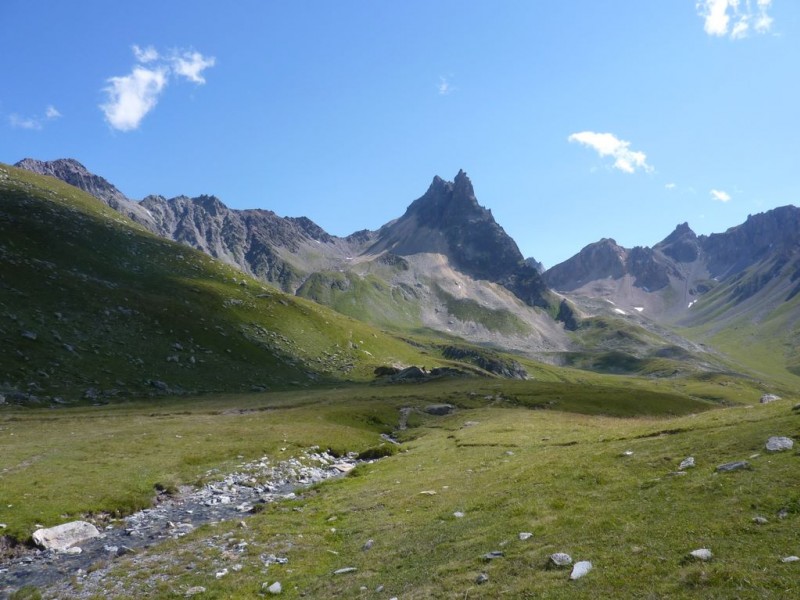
<point>448,220</point>
<point>668,279</point>
<point>75,174</point>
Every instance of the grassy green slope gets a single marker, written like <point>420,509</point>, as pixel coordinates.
<point>562,475</point>
<point>92,306</point>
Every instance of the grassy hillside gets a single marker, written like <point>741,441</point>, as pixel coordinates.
<point>587,469</point>
<point>93,307</point>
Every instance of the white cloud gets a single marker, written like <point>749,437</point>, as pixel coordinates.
<point>191,64</point>
<point>132,96</point>
<point>145,55</point>
<point>445,87</point>
<point>35,123</point>
<point>18,122</point>
<point>670,186</point>
<point>607,144</point>
<point>720,195</point>
<point>734,17</point>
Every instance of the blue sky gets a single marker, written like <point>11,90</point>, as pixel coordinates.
<point>574,119</point>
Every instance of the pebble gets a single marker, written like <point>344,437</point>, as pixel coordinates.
<point>368,544</point>
<point>482,578</point>
<point>560,559</point>
<point>427,493</point>
<point>701,554</point>
<point>458,514</point>
<point>686,463</point>
<point>760,520</point>
<point>274,588</point>
<point>221,574</point>
<point>627,453</point>
<point>580,569</point>
<point>525,535</point>
<point>493,554</point>
<point>345,570</point>
<point>193,591</point>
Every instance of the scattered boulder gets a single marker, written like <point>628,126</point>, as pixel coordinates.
<point>368,544</point>
<point>779,444</point>
<point>30,335</point>
<point>580,569</point>
<point>525,535</point>
<point>686,463</point>
<point>790,559</point>
<point>439,409</point>
<point>492,555</point>
<point>274,588</point>
<point>193,591</point>
<point>386,371</point>
<point>482,578</point>
<point>767,398</point>
<point>760,520</point>
<point>64,536</point>
<point>345,570</point>
<point>703,554</point>
<point>560,559</point>
<point>458,514</point>
<point>733,466</point>
<point>796,407</point>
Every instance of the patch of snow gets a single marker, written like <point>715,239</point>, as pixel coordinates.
<point>638,308</point>
<point>619,311</point>
<point>691,303</point>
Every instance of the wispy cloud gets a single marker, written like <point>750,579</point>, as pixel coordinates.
<point>670,186</point>
<point>607,144</point>
<point>131,97</point>
<point>735,18</point>
<point>445,87</point>
<point>36,122</point>
<point>191,65</point>
<point>145,55</point>
<point>720,195</point>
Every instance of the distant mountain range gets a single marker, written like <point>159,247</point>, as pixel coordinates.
<point>446,265</point>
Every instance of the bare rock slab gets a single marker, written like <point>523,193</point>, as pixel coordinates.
<point>779,444</point>
<point>767,398</point>
<point>560,559</point>
<point>580,569</point>
<point>733,466</point>
<point>64,536</point>
<point>703,554</point>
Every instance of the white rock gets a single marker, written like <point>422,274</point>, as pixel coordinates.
<point>221,574</point>
<point>525,535</point>
<point>779,444</point>
<point>458,514</point>
<point>627,453</point>
<point>790,559</point>
<point>427,493</point>
<point>193,591</point>
<point>275,588</point>
<point>65,535</point>
<point>72,550</point>
<point>345,570</point>
<point>702,554</point>
<point>767,398</point>
<point>580,569</point>
<point>686,463</point>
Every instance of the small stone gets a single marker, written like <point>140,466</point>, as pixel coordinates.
<point>193,591</point>
<point>560,559</point>
<point>439,409</point>
<point>379,589</point>
<point>221,574</point>
<point>482,578</point>
<point>525,535</point>
<point>274,588</point>
<point>627,453</point>
<point>111,549</point>
<point>493,554</point>
<point>790,559</point>
<point>345,570</point>
<point>368,544</point>
<point>796,407</point>
<point>686,463</point>
<point>703,554</point>
<point>29,335</point>
<point>767,398</point>
<point>733,466</point>
<point>74,550</point>
<point>760,521</point>
<point>458,514</point>
<point>427,493</point>
<point>580,569</point>
<point>779,444</point>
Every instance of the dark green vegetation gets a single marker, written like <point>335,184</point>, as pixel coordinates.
<point>94,307</point>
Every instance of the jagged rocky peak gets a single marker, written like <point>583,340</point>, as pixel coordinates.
<point>599,260</point>
<point>74,173</point>
<point>448,202</point>
<point>682,245</point>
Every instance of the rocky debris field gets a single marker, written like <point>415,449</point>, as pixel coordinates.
<point>234,496</point>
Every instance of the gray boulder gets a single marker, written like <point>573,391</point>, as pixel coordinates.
<point>580,569</point>
<point>439,409</point>
<point>560,559</point>
<point>779,444</point>
<point>767,398</point>
<point>64,536</point>
<point>686,463</point>
<point>733,466</point>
